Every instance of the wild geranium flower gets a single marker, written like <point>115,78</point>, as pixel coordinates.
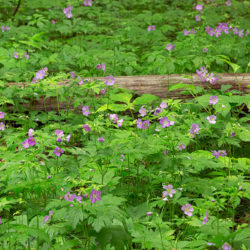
<point>67,11</point>
<point>72,74</point>
<point>219,153</point>
<point>205,220</point>
<point>113,118</point>
<point>226,246</point>
<point>2,126</point>
<point>58,151</point>
<point>163,105</point>
<point>16,55</point>
<point>233,134</point>
<point>199,7</point>
<point>158,110</point>
<point>194,129</point>
<point>80,81</point>
<point>68,137</point>
<point>181,146</point>
<point>87,2</point>
<point>31,141</point>
<point>109,80</point>
<point>197,18</point>
<point>26,55</point>
<point>165,122</point>
<point>123,157</point>
<point>139,123</point>
<point>169,191</point>
<point>102,91</point>
<point>211,119</point>
<point>205,50</point>
<point>145,124</point>
<point>228,3</point>
<point>149,213</point>
<point>213,99</point>
<point>212,78</point>
<point>151,27</point>
<point>211,244</point>
<point>119,123</point>
<point>101,66</point>
<point>85,110</point>
<point>86,127</point>
<point>40,74</point>
<point>101,139</point>
<point>188,210</point>
<point>95,195</point>
<point>2,114</point>
<point>59,133</point>
<point>46,219</point>
<point>31,132</point>
<point>143,111</point>
<point>169,46</point>
<point>53,21</point>
<point>26,143</point>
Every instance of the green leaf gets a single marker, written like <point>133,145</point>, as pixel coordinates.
<point>225,87</point>
<point>145,99</point>
<point>121,97</point>
<point>181,86</point>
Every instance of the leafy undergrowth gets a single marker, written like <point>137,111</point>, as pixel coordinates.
<point>124,171</point>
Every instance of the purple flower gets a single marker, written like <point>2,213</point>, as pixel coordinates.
<point>213,99</point>
<point>31,141</point>
<point>158,110</point>
<point>211,78</point>
<point>87,2</point>
<point>211,244</point>
<point>205,220</point>
<point>68,137</point>
<point>228,3</point>
<point>169,191</point>
<point>151,27</point>
<point>26,143</point>
<point>50,213</point>
<point>194,129</point>
<point>40,74</point>
<point>163,105</point>
<point>205,50</point>
<point>139,123</point>
<point>143,111</point>
<point>145,124</point>
<point>199,7</point>
<point>119,123</point>
<point>211,119</point>
<point>26,55</point>
<point>101,66</point>
<point>109,80</point>
<point>67,11</point>
<point>202,73</point>
<point>123,157</point>
<point>85,110</point>
<point>170,46</point>
<point>31,132</point>
<point>86,127</point>
<point>113,118</point>
<point>59,133</point>
<point>149,213</point>
<point>219,153</point>
<point>185,32</point>
<point>165,122</point>
<point>226,246</point>
<point>81,81</point>
<point>233,134</point>
<point>165,152</point>
<point>102,91</point>
<point>0,220</point>
<point>58,151</point>
<point>53,21</point>
<point>101,139</point>
<point>197,18</point>
<point>181,146</point>
<point>16,55</point>
<point>72,74</point>
<point>46,219</point>
<point>95,195</point>
<point>188,210</point>
<point>2,114</point>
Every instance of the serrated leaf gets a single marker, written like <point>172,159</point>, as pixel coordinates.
<point>121,97</point>
<point>145,99</point>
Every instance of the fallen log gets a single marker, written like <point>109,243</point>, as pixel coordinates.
<point>158,85</point>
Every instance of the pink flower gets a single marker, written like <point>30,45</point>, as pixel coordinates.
<point>170,46</point>
<point>72,74</point>
<point>2,114</point>
<point>205,50</point>
<point>86,127</point>
<point>213,99</point>
<point>119,123</point>
<point>199,7</point>
<point>205,220</point>
<point>211,119</point>
<point>163,105</point>
<point>228,3</point>
<point>87,2</point>
<point>31,132</point>
<point>143,111</point>
<point>149,213</point>
<point>58,151</point>
<point>68,137</point>
<point>16,55</point>
<point>188,210</point>
<point>85,110</point>
<point>101,139</point>
<point>109,80</point>
<point>197,18</point>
